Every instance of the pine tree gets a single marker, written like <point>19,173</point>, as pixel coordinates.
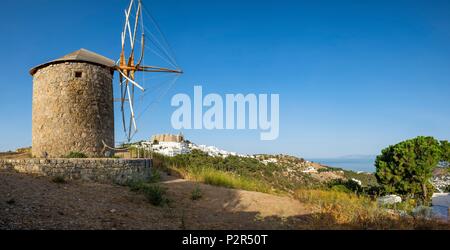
<point>406,168</point>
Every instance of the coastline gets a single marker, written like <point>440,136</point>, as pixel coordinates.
<point>353,164</point>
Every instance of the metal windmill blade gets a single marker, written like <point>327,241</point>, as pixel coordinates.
<point>127,66</point>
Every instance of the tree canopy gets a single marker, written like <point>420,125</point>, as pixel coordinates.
<point>445,151</point>
<point>407,167</point>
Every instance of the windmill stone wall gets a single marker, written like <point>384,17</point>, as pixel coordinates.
<point>73,109</point>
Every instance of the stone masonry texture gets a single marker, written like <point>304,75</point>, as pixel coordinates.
<point>118,171</point>
<point>73,110</point>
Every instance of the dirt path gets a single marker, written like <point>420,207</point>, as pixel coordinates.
<point>28,202</point>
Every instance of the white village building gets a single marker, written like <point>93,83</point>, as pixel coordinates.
<point>173,145</point>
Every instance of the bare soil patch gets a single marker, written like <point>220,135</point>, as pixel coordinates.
<point>28,202</point>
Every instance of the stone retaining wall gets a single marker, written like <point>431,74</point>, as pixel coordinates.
<point>118,171</point>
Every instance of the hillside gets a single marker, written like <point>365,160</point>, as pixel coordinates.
<point>264,173</point>
<point>40,203</point>
<point>200,191</point>
<point>19,154</point>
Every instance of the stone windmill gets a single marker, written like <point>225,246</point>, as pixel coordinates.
<point>73,101</point>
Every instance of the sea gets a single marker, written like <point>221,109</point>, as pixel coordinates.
<point>441,202</point>
<point>357,164</point>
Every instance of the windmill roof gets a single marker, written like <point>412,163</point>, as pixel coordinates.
<point>81,55</point>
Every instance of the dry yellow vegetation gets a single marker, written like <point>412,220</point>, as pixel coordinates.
<point>339,210</point>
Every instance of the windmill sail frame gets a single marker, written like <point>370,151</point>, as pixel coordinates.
<point>127,66</point>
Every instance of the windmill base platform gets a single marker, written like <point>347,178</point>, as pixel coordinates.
<point>117,171</point>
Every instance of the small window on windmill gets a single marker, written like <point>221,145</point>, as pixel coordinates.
<point>78,74</point>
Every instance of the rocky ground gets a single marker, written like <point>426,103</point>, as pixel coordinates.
<point>28,202</point>
<point>295,169</point>
<point>441,179</point>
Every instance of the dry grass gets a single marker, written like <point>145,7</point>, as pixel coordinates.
<point>222,179</point>
<point>340,207</point>
<point>329,209</point>
<point>339,210</point>
<point>15,155</point>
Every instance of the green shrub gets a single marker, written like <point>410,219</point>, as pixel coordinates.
<point>155,194</point>
<point>155,176</point>
<point>407,205</point>
<point>341,188</point>
<point>375,191</point>
<point>366,179</point>
<point>136,186</point>
<point>324,170</point>
<point>445,151</point>
<point>407,167</point>
<point>73,155</point>
<point>58,180</point>
<point>346,186</point>
<point>196,193</point>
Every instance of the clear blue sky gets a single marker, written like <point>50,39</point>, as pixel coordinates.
<point>353,76</point>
